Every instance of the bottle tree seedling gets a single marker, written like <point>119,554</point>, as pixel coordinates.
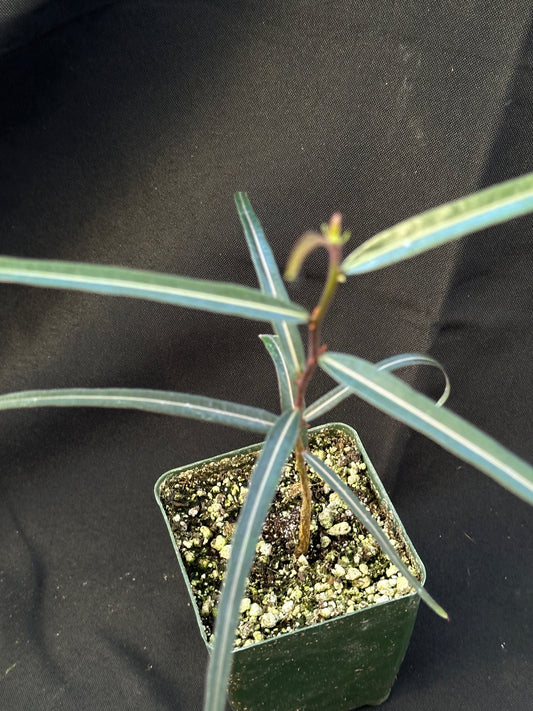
<point>295,367</point>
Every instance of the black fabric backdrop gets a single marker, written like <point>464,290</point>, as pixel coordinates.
<point>125,129</point>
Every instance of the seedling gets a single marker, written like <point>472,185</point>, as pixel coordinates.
<point>295,367</point>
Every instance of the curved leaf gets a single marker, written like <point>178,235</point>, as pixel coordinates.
<point>285,385</point>
<point>341,392</point>
<point>263,484</point>
<point>270,281</point>
<point>406,360</point>
<point>218,297</point>
<point>370,523</point>
<point>452,432</point>
<point>301,250</point>
<point>160,401</point>
<point>432,228</point>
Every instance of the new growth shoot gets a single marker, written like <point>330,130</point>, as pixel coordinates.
<point>332,238</point>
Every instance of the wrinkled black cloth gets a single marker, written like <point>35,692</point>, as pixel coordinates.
<point>125,128</point>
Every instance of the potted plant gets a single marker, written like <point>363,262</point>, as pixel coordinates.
<point>287,434</point>
<point>299,612</point>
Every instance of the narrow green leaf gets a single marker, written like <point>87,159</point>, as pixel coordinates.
<point>406,360</point>
<point>396,398</point>
<point>301,250</point>
<point>265,265</point>
<point>263,484</point>
<point>283,373</point>
<point>371,525</point>
<point>160,401</point>
<point>341,392</point>
<point>327,402</point>
<point>218,297</point>
<point>270,281</point>
<point>432,228</point>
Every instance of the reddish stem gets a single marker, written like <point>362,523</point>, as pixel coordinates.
<point>314,350</point>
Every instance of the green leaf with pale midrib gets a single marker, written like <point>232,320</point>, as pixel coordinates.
<point>336,395</point>
<point>369,522</point>
<point>261,490</point>
<point>452,432</point>
<point>283,373</point>
<point>159,401</point>
<point>270,281</point>
<point>218,297</point>
<point>432,228</point>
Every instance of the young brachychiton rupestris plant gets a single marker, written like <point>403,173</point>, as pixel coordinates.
<point>295,367</point>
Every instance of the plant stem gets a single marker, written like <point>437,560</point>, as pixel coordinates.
<point>304,530</point>
<point>314,349</point>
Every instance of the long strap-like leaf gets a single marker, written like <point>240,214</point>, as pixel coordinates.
<point>432,228</point>
<point>160,401</point>
<point>341,392</point>
<point>285,385</point>
<point>271,282</point>
<point>371,525</point>
<point>452,432</point>
<point>218,297</point>
<point>263,483</point>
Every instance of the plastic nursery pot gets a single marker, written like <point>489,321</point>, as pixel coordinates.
<point>339,664</point>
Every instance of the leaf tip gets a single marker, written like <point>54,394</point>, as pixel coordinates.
<point>441,612</point>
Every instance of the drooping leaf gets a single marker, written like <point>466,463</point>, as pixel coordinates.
<point>341,392</point>
<point>396,398</point>
<point>405,360</point>
<point>217,297</point>
<point>283,373</point>
<point>369,522</point>
<point>270,281</point>
<point>160,401</point>
<point>262,487</point>
<point>301,250</point>
<point>432,228</point>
